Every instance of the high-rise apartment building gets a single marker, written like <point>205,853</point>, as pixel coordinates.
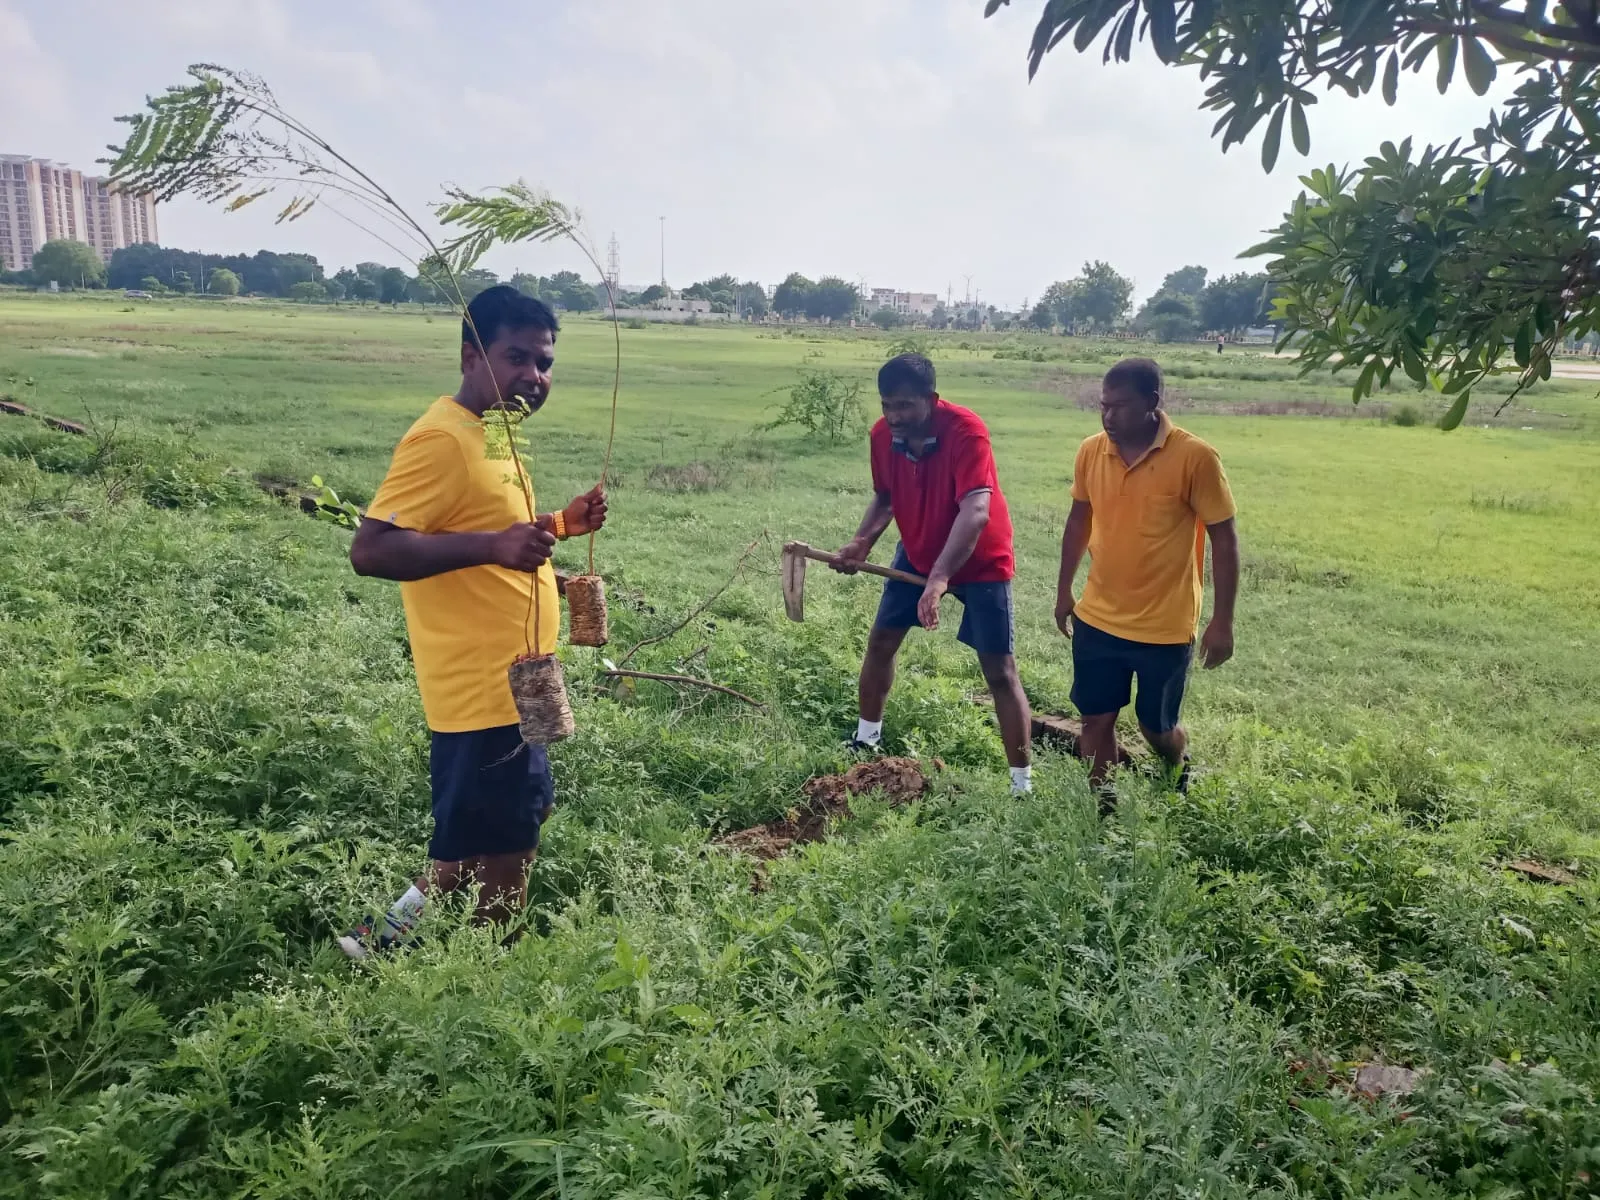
<point>42,201</point>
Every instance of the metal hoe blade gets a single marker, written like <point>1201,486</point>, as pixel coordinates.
<point>794,582</point>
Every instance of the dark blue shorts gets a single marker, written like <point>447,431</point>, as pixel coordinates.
<point>491,792</point>
<point>986,609</point>
<point>1104,667</point>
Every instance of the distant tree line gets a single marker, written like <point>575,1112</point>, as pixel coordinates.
<point>1097,300</point>
<point>152,268</point>
<point>1186,305</point>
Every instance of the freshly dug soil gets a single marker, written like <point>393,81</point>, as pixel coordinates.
<point>901,780</point>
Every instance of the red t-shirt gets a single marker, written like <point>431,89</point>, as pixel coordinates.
<point>926,493</point>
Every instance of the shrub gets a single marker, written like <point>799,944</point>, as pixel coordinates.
<point>1405,414</point>
<point>826,405</point>
<point>912,343</point>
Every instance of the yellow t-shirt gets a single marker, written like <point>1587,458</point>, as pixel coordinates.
<point>466,626</point>
<point>1147,533</point>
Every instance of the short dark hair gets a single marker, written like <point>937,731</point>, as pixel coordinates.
<point>494,310</point>
<point>1142,375</point>
<point>906,373</point>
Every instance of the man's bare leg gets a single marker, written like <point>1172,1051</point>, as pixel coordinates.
<point>1171,745</point>
<point>502,880</point>
<point>877,671</point>
<point>1010,706</point>
<point>1098,747</point>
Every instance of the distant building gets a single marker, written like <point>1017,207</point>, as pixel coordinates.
<point>674,303</point>
<point>42,201</point>
<point>908,304</point>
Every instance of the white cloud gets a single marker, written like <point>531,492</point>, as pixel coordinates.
<point>900,140</point>
<point>33,87</point>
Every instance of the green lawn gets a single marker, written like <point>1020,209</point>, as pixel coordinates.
<point>212,759</point>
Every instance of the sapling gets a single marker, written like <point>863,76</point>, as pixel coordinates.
<point>225,139</point>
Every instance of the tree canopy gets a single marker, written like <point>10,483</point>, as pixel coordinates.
<point>750,300</point>
<point>1230,303</point>
<point>69,264</point>
<point>222,282</point>
<point>1098,298</point>
<point>789,300</point>
<point>831,299</point>
<point>393,284</point>
<point>1445,264</point>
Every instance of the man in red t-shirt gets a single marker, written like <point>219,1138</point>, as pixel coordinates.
<point>933,475</point>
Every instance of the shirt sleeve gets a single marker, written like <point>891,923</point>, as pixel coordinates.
<point>974,466</point>
<point>1209,494</point>
<point>426,477</point>
<point>1080,476</point>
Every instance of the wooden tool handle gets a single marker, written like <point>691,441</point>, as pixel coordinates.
<point>866,568</point>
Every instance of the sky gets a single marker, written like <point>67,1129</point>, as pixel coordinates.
<point>893,142</point>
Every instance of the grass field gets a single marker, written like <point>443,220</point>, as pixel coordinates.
<point>212,758</point>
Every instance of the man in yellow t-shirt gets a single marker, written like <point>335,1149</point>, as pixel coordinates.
<point>450,523</point>
<point>1145,494</point>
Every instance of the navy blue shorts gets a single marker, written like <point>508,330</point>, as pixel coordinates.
<point>986,609</point>
<point>491,792</point>
<point>1104,667</point>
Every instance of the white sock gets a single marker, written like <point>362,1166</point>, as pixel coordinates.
<point>870,732</point>
<point>1021,780</point>
<point>404,911</point>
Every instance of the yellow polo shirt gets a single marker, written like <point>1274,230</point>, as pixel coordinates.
<point>465,626</point>
<point>1147,533</point>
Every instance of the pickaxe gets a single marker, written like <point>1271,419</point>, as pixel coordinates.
<point>794,575</point>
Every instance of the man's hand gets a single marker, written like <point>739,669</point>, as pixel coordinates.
<point>1216,644</point>
<point>523,547</point>
<point>850,557</point>
<point>587,513</point>
<point>1064,606</point>
<point>928,605</point>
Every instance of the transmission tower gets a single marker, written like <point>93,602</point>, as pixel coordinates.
<point>614,265</point>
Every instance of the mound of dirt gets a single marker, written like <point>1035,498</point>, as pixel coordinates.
<point>901,780</point>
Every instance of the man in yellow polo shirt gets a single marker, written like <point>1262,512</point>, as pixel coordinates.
<point>450,523</point>
<point>1145,494</point>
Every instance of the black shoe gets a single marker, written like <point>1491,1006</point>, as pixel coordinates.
<point>1181,783</point>
<point>865,749</point>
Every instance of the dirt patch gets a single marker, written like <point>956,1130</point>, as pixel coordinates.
<point>1540,872</point>
<point>16,409</point>
<point>1358,1080</point>
<point>901,780</point>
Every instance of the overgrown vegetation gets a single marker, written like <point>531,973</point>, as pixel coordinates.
<point>212,759</point>
<point>825,405</point>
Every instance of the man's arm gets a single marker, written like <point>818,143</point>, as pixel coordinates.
<point>389,552</point>
<point>1074,542</point>
<point>1216,644</point>
<point>854,552</point>
<point>971,517</point>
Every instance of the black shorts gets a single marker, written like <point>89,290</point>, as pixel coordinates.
<point>986,623</point>
<point>1103,670</point>
<point>491,792</point>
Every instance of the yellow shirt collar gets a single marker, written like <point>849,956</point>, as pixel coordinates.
<point>1163,430</point>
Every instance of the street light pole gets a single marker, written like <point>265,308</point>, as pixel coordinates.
<point>663,221</point>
